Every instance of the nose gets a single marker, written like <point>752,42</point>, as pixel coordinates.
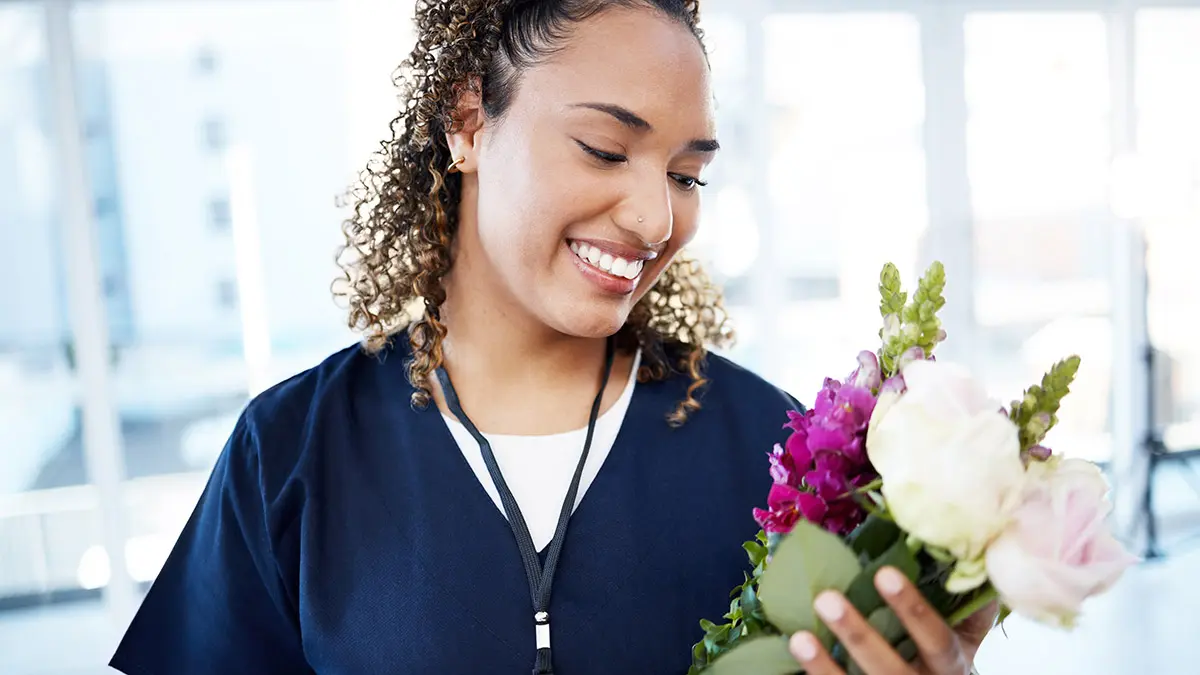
<point>647,211</point>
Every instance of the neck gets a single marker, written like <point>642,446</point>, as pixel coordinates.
<point>490,343</point>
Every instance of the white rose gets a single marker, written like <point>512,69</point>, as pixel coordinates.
<point>950,463</point>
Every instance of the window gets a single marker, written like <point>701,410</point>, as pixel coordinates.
<point>112,286</point>
<point>227,294</point>
<point>206,61</point>
<point>42,532</point>
<point>1038,163</point>
<point>214,134</point>
<point>104,207</point>
<point>94,129</point>
<point>219,214</point>
<point>845,178</point>
<point>1168,63</point>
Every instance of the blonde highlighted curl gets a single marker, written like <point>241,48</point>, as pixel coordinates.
<point>405,203</point>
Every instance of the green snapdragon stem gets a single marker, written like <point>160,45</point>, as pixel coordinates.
<point>985,596</point>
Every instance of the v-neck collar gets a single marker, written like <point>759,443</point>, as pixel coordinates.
<point>568,443</point>
<point>476,492</point>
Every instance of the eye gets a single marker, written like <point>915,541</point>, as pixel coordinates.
<point>606,157</point>
<point>686,183</point>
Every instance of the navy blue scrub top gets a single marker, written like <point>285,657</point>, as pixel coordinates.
<point>343,533</point>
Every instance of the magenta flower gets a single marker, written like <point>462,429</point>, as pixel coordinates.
<point>786,505</point>
<point>824,461</point>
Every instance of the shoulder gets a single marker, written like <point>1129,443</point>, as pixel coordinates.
<point>732,384</point>
<point>278,430</point>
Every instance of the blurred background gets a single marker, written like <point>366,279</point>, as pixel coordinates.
<point>168,225</point>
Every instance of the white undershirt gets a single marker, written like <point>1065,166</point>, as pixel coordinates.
<point>538,469</point>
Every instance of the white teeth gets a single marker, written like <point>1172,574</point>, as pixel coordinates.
<point>618,267</point>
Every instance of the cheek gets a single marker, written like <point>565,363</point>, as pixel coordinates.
<point>528,197</point>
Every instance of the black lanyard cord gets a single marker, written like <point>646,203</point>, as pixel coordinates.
<point>540,580</point>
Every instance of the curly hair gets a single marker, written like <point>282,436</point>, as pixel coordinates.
<point>405,204</point>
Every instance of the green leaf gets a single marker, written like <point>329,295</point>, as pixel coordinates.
<point>750,602</point>
<point>714,639</point>
<point>1005,612</point>
<point>862,593</point>
<point>807,561</point>
<point>756,551</point>
<point>765,655</point>
<point>874,536</point>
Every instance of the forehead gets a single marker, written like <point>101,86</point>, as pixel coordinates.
<point>636,58</point>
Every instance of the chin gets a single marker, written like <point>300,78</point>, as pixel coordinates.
<point>584,321</point>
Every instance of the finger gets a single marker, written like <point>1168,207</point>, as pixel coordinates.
<point>809,652</point>
<point>862,642</point>
<point>936,642</point>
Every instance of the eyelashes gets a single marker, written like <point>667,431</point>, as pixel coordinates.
<point>606,157</point>
<point>684,181</point>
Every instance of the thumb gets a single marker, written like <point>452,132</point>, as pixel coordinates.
<point>975,628</point>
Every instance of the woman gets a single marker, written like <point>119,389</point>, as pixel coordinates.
<point>543,178</point>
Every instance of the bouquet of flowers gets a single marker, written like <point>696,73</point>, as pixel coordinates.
<point>908,463</point>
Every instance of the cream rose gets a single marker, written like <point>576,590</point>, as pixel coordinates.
<point>950,463</point>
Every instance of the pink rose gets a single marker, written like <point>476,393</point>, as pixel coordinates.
<point>1057,552</point>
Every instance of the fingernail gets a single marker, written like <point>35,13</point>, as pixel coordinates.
<point>889,581</point>
<point>804,646</point>
<point>830,606</point>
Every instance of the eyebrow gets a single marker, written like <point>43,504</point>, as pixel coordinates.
<point>634,121</point>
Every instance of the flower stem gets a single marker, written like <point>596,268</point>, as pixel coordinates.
<point>873,485</point>
<point>986,595</point>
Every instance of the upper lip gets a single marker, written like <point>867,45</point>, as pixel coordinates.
<point>619,250</point>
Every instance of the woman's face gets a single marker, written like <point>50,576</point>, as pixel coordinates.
<point>589,185</point>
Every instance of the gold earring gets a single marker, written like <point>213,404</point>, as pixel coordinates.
<point>454,165</point>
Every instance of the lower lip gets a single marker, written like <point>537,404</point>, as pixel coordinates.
<point>606,282</point>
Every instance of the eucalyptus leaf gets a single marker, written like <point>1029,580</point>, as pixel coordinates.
<point>807,561</point>
<point>862,592</point>
<point>765,655</point>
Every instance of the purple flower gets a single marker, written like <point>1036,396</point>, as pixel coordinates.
<point>894,384</point>
<point>785,506</point>
<point>1038,453</point>
<point>824,461</point>
<point>867,375</point>
<point>911,354</point>
<point>782,466</point>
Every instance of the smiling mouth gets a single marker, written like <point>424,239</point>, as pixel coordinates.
<point>606,262</point>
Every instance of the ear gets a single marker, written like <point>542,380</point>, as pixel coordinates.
<point>467,131</point>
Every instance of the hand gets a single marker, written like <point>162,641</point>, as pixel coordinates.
<point>942,650</point>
